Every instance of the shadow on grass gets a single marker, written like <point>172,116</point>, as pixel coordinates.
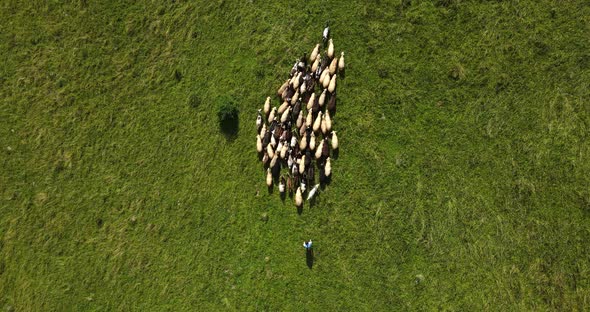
<point>335,153</point>
<point>230,128</point>
<point>309,258</point>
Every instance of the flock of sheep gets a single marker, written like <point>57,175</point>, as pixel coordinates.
<point>299,131</point>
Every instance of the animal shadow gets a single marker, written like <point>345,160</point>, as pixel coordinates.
<point>335,153</point>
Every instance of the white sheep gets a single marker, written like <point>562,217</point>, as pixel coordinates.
<point>267,106</point>
<point>333,66</point>
<point>334,140</point>
<point>268,177</point>
<point>341,62</point>
<point>322,99</point>
<point>272,114</point>
<point>318,150</point>
<point>330,48</point>
<point>310,102</point>
<point>285,115</point>
<point>258,143</point>
<point>332,85</point>
<point>298,197</point>
<point>318,122</point>
<point>313,192</point>
<point>328,122</point>
<point>303,142</point>
<point>314,52</point>
<point>283,107</point>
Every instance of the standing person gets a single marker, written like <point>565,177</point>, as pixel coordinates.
<point>308,253</point>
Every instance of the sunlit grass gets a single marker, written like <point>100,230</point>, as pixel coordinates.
<point>461,184</point>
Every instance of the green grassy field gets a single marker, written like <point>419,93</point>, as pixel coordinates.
<point>464,157</point>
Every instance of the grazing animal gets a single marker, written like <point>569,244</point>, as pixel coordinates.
<point>265,158</point>
<point>266,139</point>
<point>297,81</point>
<point>263,130</point>
<point>315,65</point>
<point>302,165</point>
<point>315,107</point>
<point>311,142</point>
<point>303,87</point>
<point>284,150</point>
<point>313,191</point>
<point>267,106</point>
<point>259,143</point>
<point>296,108</point>
<point>334,140</point>
<point>293,141</point>
<point>270,151</point>
<point>259,120</point>
<point>295,169</point>
<point>309,119</point>
<point>295,97</point>
<point>318,151</point>
<point>314,53</point>
<point>323,76</point>
<point>303,142</point>
<point>318,72</point>
<point>283,107</point>
<point>332,102</point>
<point>311,174</point>
<point>328,167</point>
<point>332,85</point>
<point>341,62</point>
<point>322,99</point>
<point>303,184</point>
<point>273,141</point>
<point>282,184</point>
<point>268,177</point>
<point>330,48</point>
<point>326,33</point>
<point>290,161</point>
<point>285,115</point>
<point>273,112</point>
<point>308,158</point>
<point>327,80</point>
<point>318,122</point>
<point>323,125</point>
<point>325,148</point>
<point>333,66</point>
<point>311,101</point>
<point>298,197</point>
<point>283,88</point>
<point>290,184</point>
<point>328,122</point>
<point>273,161</point>
<point>299,121</point>
<point>288,94</point>
<point>302,129</point>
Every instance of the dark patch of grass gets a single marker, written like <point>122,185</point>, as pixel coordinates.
<point>228,115</point>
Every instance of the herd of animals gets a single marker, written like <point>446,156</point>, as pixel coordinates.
<point>297,135</point>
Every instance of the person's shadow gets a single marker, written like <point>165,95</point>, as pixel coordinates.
<point>309,258</point>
